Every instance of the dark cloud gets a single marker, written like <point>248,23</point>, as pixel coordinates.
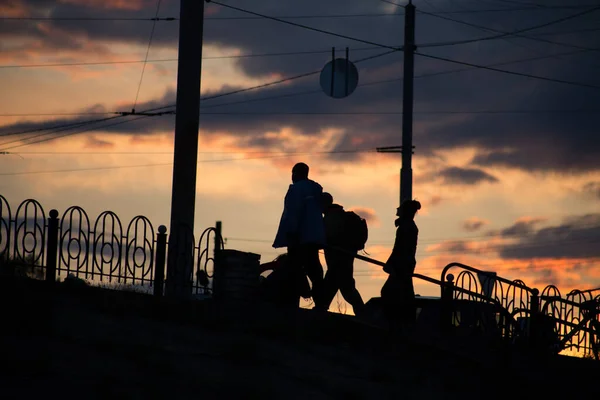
<point>474,224</point>
<point>95,143</point>
<point>576,237</point>
<point>453,246</point>
<point>523,226</point>
<point>593,189</point>
<point>544,141</point>
<point>546,277</point>
<point>466,176</point>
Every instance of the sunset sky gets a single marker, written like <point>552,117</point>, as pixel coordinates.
<point>506,166</point>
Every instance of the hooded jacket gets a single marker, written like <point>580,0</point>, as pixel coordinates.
<point>402,260</point>
<point>302,215</point>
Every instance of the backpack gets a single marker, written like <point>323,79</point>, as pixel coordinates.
<point>356,231</point>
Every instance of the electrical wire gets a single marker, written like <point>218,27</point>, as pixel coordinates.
<point>147,52</point>
<point>426,75</point>
<point>276,54</point>
<point>84,19</point>
<point>310,28</point>
<point>523,7</point>
<point>529,37</point>
<point>58,128</point>
<point>283,155</point>
<point>513,33</point>
<point>579,84</point>
<point>364,59</point>
<point>203,99</point>
<point>361,113</point>
<point>293,53</point>
<point>76,132</point>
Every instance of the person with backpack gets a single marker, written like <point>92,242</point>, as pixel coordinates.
<point>346,234</point>
<point>301,228</point>
<point>398,293</point>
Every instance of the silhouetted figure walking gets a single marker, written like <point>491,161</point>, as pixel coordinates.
<point>301,228</point>
<point>341,233</point>
<point>398,294</point>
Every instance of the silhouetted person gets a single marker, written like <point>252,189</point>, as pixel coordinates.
<point>285,284</point>
<point>398,294</point>
<point>339,232</point>
<point>301,228</point>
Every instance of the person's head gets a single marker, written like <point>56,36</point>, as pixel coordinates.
<point>326,200</point>
<point>299,172</point>
<point>408,209</point>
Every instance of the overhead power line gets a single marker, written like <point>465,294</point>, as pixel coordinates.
<point>490,67</point>
<point>73,133</point>
<point>522,7</point>
<point>385,81</point>
<point>282,155</point>
<point>84,19</point>
<point>310,28</point>
<point>137,95</point>
<point>580,84</point>
<point>533,36</point>
<point>529,37</point>
<point>514,33</point>
<point>272,83</point>
<point>59,126</point>
<point>275,54</point>
<point>157,109</point>
<point>349,113</point>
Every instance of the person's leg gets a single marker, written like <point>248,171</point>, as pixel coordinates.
<point>295,263</point>
<point>407,303</point>
<point>347,284</point>
<point>330,282</point>
<point>392,302</point>
<point>314,270</point>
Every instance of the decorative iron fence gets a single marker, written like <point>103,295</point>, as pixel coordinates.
<point>103,250</point>
<point>570,322</point>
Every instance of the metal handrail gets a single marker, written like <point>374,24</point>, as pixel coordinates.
<point>497,278</point>
<point>577,291</point>
<point>441,284</point>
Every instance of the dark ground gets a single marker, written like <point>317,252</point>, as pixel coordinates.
<point>91,343</point>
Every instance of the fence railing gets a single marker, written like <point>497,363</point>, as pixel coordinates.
<point>522,313</point>
<point>100,250</point>
<point>512,295</point>
<point>574,319</point>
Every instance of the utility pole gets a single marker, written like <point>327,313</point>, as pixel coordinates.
<point>180,260</point>
<point>407,103</point>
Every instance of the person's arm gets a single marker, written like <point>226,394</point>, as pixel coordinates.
<point>292,207</point>
<point>396,256</point>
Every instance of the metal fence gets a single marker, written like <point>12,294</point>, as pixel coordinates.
<point>571,322</point>
<point>103,250</point>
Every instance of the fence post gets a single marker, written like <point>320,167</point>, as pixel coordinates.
<point>161,256</point>
<point>447,297</point>
<point>52,247</point>
<point>534,312</point>
<point>218,237</point>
